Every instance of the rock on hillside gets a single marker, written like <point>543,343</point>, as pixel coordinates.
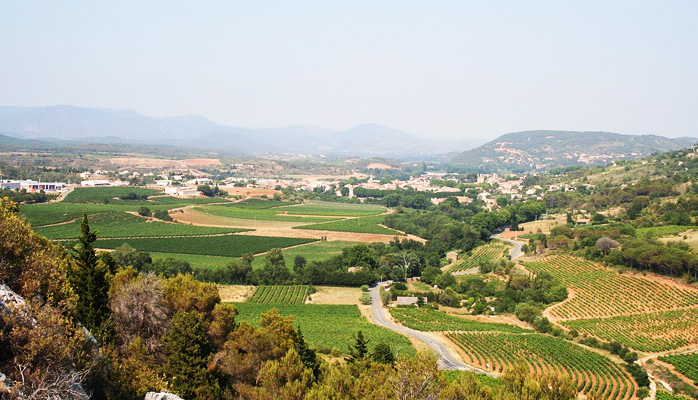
<point>161,396</point>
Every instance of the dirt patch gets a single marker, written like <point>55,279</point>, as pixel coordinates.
<point>335,295</point>
<point>379,166</point>
<point>235,293</point>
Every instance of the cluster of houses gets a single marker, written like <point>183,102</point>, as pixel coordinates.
<point>32,186</point>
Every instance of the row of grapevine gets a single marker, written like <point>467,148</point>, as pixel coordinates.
<point>651,332</point>
<point>686,364</point>
<point>426,319</point>
<point>603,292</point>
<point>482,254</point>
<point>590,372</point>
<point>279,294</point>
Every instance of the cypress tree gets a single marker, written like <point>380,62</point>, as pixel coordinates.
<point>89,281</point>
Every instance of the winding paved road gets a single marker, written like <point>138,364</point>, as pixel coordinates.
<point>516,251</point>
<point>447,360</point>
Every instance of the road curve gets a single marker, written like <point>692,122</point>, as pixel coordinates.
<point>516,251</point>
<point>447,360</point>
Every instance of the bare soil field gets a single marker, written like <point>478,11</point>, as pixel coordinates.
<point>249,192</point>
<point>235,293</point>
<point>335,295</point>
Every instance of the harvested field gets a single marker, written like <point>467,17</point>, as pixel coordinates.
<point>335,295</point>
<point>235,293</point>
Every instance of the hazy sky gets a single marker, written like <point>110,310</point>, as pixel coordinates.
<point>461,69</point>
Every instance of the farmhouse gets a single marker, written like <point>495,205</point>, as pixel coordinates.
<point>452,256</point>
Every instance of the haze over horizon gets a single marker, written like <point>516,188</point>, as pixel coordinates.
<point>456,70</point>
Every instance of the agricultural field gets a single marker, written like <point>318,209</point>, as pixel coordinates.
<point>317,251</point>
<point>197,262</point>
<point>370,224</point>
<point>603,292</point>
<point>487,253</point>
<point>589,371</point>
<point>105,195</point>
<point>119,224</point>
<point>649,332</point>
<point>425,319</point>
<point>54,213</point>
<point>334,209</point>
<point>259,214</point>
<point>686,364</point>
<point>310,213</point>
<point>662,395</point>
<point>280,294</point>
<point>222,246</point>
<point>329,326</point>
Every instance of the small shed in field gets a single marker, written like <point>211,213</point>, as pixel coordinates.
<point>452,256</point>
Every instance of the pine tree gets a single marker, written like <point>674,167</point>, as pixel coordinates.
<point>307,355</point>
<point>383,354</point>
<point>358,351</point>
<point>89,281</point>
<point>188,350</point>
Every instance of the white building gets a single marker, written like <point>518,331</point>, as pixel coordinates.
<point>97,182</point>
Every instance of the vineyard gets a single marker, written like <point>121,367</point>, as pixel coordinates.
<point>482,254</point>
<point>425,319</point>
<point>106,194</point>
<point>602,292</point>
<point>687,364</point>
<point>369,224</point>
<point>119,224</point>
<point>338,209</point>
<point>259,214</point>
<point>590,372</point>
<point>651,332</point>
<point>662,395</point>
<point>224,246</point>
<point>53,213</point>
<point>329,326</point>
<point>278,294</point>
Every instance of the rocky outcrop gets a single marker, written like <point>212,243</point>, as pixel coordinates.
<point>161,396</point>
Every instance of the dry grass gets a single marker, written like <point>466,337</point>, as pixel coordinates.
<point>335,295</point>
<point>235,293</point>
<point>691,238</point>
<point>544,225</point>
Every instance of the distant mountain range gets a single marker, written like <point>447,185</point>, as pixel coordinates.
<point>192,131</point>
<point>541,150</point>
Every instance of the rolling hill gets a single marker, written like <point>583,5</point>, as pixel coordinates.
<point>541,150</point>
<point>94,125</point>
